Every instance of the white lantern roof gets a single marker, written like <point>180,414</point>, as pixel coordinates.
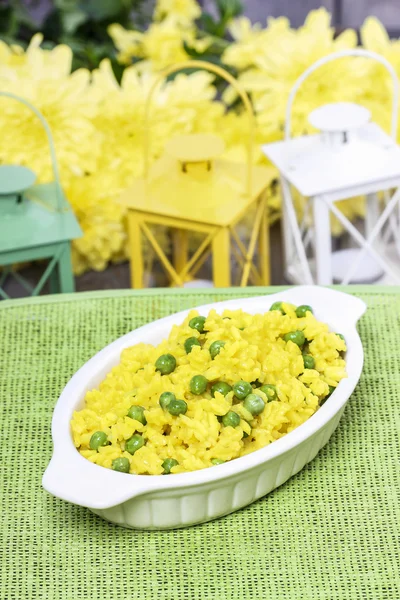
<point>339,117</point>
<point>315,166</point>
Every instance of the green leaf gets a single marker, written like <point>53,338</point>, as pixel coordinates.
<point>66,4</point>
<point>99,10</point>
<point>12,17</point>
<point>207,22</point>
<point>53,27</point>
<point>72,19</point>
<point>8,20</point>
<point>132,4</point>
<point>229,9</point>
<point>191,51</point>
<point>118,69</point>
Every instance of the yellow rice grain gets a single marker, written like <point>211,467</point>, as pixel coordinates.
<point>254,351</point>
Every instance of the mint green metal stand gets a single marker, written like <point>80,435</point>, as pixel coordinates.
<point>36,222</point>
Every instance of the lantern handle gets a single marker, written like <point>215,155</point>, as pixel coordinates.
<point>342,54</point>
<point>50,141</point>
<point>201,64</point>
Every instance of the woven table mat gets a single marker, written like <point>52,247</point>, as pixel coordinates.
<point>331,532</point>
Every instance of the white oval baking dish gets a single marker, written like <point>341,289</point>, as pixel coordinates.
<point>162,502</point>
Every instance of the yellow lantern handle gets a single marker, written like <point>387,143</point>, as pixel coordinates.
<point>201,64</point>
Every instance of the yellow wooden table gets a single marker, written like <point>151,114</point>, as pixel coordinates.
<point>191,188</point>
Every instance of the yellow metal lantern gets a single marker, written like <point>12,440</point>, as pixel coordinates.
<point>191,188</point>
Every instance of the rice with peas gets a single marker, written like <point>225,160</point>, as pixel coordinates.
<point>281,365</point>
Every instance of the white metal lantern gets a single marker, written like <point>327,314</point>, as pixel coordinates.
<point>350,157</point>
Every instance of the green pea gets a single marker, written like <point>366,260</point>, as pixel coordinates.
<point>269,391</point>
<point>198,385</point>
<point>341,336</point>
<point>331,390</point>
<point>189,343</point>
<point>245,435</point>
<point>165,399</point>
<point>242,389</point>
<point>301,311</point>
<point>99,438</point>
<point>177,407</point>
<point>217,461</point>
<point>254,404</point>
<point>137,413</point>
<point>215,348</point>
<point>121,464</point>
<point>197,323</point>
<point>231,419</point>
<point>297,337</point>
<point>134,443</point>
<point>309,362</point>
<point>168,464</point>
<point>166,364</point>
<point>277,306</point>
<point>221,387</point>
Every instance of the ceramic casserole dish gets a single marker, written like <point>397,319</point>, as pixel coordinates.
<point>179,500</point>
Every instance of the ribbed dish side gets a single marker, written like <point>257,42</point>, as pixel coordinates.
<point>183,507</point>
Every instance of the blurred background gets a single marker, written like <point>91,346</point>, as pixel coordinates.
<point>345,13</point>
<point>83,23</point>
<point>87,65</point>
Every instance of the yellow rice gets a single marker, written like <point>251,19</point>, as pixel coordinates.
<point>258,352</point>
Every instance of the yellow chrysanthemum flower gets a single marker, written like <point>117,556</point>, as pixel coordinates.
<point>378,97</point>
<point>161,45</point>
<point>127,42</point>
<point>250,40</point>
<point>11,55</point>
<point>44,78</point>
<point>93,198</point>
<point>277,66</point>
<point>183,12</point>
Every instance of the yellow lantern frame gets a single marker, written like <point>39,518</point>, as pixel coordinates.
<point>217,238</point>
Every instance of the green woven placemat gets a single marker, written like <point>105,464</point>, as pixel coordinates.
<point>331,532</point>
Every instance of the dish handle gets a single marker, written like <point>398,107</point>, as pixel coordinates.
<point>353,308</point>
<point>77,480</point>
<point>349,307</point>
